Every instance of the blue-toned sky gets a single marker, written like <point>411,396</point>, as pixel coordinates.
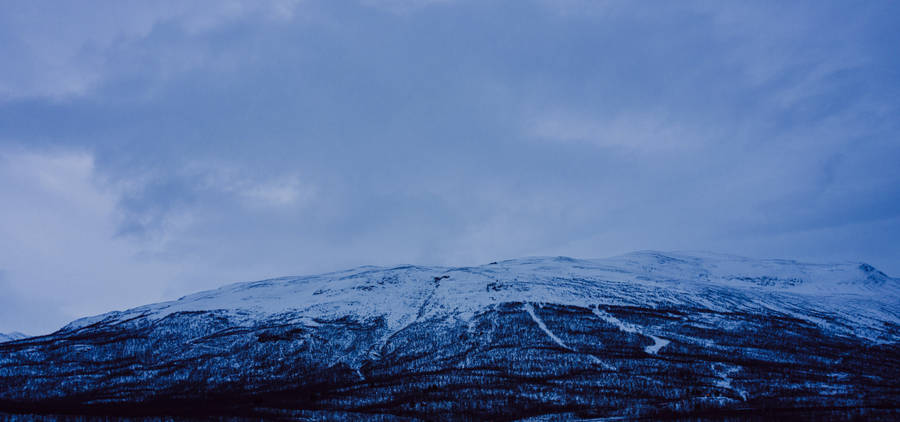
<point>153,149</point>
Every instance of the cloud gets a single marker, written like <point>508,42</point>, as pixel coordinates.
<point>66,242</point>
<point>277,192</point>
<point>19,309</point>
<point>190,146</point>
<point>58,249</point>
<point>253,190</point>
<point>642,131</point>
<point>403,7</point>
<point>161,203</point>
<point>71,54</point>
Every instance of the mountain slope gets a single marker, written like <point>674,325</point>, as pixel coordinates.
<point>15,335</point>
<point>645,334</point>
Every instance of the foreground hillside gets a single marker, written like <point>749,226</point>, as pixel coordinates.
<point>641,335</point>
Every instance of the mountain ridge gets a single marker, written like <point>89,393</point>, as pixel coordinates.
<point>648,266</point>
<point>645,334</point>
<point>11,336</point>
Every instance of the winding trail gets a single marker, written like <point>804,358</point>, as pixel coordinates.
<point>528,307</point>
<point>658,342</point>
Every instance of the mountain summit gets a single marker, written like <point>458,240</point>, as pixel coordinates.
<point>646,334</point>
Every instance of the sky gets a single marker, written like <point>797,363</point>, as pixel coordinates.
<point>149,150</point>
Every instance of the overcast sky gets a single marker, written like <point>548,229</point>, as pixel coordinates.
<point>153,149</point>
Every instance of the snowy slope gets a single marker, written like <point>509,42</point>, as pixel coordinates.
<point>861,297</point>
<point>15,335</point>
<point>646,334</point>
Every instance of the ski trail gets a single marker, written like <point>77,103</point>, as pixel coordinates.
<point>658,342</point>
<point>605,365</point>
<point>540,323</point>
<point>623,326</point>
<point>530,309</point>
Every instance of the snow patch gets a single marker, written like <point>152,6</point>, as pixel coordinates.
<point>724,373</point>
<point>658,343</point>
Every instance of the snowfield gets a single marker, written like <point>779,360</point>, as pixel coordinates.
<point>858,295</point>
<point>646,334</point>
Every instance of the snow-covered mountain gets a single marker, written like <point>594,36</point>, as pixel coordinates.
<point>646,334</point>
<point>15,335</point>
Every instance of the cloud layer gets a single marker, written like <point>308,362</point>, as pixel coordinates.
<point>152,150</point>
